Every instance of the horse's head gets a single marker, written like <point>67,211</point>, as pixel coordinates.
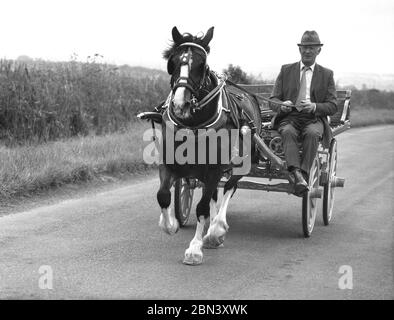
<point>187,65</point>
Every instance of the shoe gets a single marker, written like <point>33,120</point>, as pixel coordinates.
<point>291,178</point>
<point>301,186</point>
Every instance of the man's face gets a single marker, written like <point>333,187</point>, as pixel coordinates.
<point>309,54</point>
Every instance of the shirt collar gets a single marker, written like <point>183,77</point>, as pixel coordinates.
<point>312,66</point>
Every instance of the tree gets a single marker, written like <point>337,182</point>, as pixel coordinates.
<point>237,75</point>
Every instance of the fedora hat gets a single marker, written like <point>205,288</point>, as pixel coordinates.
<point>310,38</point>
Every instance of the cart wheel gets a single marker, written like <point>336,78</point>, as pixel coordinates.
<point>309,200</point>
<point>183,201</point>
<point>328,196</point>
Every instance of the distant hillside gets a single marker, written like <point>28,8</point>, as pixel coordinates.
<point>366,80</point>
<point>142,72</point>
<point>343,79</point>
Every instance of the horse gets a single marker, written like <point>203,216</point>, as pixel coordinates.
<point>201,99</point>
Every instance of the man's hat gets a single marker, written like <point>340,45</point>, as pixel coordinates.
<point>310,38</point>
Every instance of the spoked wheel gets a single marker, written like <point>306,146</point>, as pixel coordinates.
<point>309,200</point>
<point>183,201</point>
<point>329,188</point>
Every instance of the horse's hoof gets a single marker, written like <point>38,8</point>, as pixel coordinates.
<point>209,246</point>
<point>193,259</point>
<point>211,242</point>
<point>168,228</point>
<point>215,235</point>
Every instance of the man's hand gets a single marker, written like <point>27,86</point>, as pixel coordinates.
<point>307,106</point>
<point>287,107</point>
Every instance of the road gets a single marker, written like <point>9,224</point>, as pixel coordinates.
<point>108,245</point>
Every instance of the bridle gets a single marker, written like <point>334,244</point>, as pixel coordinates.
<point>186,60</point>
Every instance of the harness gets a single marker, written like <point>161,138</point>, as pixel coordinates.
<point>216,120</point>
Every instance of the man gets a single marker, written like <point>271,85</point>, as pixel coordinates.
<point>307,92</point>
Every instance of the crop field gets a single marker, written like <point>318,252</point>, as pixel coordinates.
<point>44,101</point>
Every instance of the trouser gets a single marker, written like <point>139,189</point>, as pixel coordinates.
<point>310,131</point>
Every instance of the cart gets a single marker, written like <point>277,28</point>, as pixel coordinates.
<point>322,176</point>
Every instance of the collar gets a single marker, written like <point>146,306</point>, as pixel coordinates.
<point>217,91</point>
<point>214,122</point>
<point>312,66</point>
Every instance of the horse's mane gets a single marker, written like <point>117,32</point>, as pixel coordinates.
<point>187,37</point>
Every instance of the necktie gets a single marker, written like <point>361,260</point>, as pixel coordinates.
<point>302,91</point>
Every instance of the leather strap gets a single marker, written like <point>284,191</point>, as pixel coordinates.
<point>259,97</point>
<point>210,96</point>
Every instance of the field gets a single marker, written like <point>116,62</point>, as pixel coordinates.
<point>100,135</point>
<point>46,101</point>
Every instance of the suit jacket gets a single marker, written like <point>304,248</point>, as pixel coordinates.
<point>323,93</point>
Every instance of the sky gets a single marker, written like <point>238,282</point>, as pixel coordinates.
<point>259,36</point>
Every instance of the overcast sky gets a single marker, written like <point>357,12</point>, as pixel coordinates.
<point>257,35</point>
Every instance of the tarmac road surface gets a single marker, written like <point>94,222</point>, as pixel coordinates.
<point>109,246</point>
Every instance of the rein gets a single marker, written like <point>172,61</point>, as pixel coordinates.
<point>211,95</point>
<point>260,97</point>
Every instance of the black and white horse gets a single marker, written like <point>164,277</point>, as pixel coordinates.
<point>200,100</point>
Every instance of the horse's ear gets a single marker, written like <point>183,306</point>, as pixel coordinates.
<point>176,36</point>
<point>208,37</point>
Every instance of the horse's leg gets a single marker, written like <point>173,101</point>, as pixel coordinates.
<point>213,210</point>
<point>219,227</point>
<point>193,254</point>
<point>167,222</point>
<point>212,214</point>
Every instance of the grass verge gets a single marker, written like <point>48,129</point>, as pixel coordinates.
<point>27,169</point>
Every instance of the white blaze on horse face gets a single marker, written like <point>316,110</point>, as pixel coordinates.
<point>179,96</point>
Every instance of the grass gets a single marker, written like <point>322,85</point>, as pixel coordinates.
<point>27,169</point>
<point>370,116</point>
